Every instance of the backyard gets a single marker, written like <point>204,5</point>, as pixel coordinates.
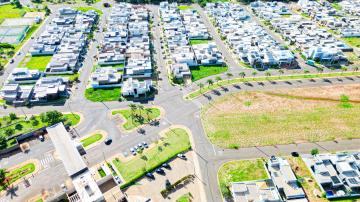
<point>173,142</point>
<point>259,118</point>
<point>103,95</point>
<point>200,72</point>
<point>137,116</point>
<point>36,62</point>
<point>91,139</point>
<point>18,173</point>
<point>240,170</point>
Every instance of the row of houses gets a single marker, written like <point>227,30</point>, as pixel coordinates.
<point>179,27</point>
<point>248,40</point>
<point>281,185</point>
<point>65,38</point>
<point>124,57</point>
<point>338,175</point>
<point>326,15</point>
<point>351,7</point>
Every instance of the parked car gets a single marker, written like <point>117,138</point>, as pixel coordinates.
<point>150,175</point>
<point>167,184</point>
<point>166,165</point>
<point>295,154</point>
<point>145,145</point>
<point>133,151</point>
<point>140,146</point>
<point>311,63</point>
<point>108,141</point>
<point>160,171</point>
<point>117,179</point>
<point>11,61</point>
<point>182,156</point>
<point>106,5</point>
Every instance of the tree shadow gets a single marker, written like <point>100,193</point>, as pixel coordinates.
<point>11,191</point>
<point>261,83</point>
<point>327,80</point>
<point>216,92</point>
<point>248,84</point>
<point>236,86</point>
<point>288,82</point>
<point>224,89</point>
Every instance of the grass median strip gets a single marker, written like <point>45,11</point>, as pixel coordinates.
<point>91,139</point>
<point>136,117</point>
<point>208,88</point>
<point>174,141</point>
<point>237,171</point>
<point>16,174</point>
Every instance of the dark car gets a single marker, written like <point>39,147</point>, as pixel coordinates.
<point>294,154</point>
<point>167,184</point>
<point>106,5</point>
<point>160,171</point>
<point>41,138</point>
<point>182,156</point>
<point>150,175</point>
<point>166,165</point>
<point>108,141</point>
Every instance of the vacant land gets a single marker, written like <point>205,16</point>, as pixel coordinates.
<point>184,7</point>
<point>10,11</point>
<point>353,41</point>
<point>16,174</point>
<point>85,9</point>
<point>184,198</point>
<point>136,117</point>
<point>237,171</point>
<point>284,116</point>
<point>200,72</point>
<point>174,141</point>
<point>91,139</point>
<point>199,41</point>
<point>103,95</point>
<point>36,62</point>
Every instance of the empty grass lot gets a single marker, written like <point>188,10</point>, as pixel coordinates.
<point>137,117</point>
<point>103,95</point>
<point>91,139</point>
<point>283,116</point>
<point>85,9</point>
<point>201,72</point>
<point>199,41</point>
<point>352,41</point>
<point>36,62</point>
<point>10,11</point>
<point>237,171</point>
<point>184,198</point>
<point>16,174</point>
<point>184,7</point>
<point>174,141</point>
<point>28,126</point>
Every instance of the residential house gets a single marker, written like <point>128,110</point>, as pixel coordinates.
<point>23,76</point>
<point>105,77</point>
<point>135,88</point>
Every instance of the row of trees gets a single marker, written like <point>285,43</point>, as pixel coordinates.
<point>138,112</point>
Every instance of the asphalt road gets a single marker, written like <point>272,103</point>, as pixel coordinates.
<point>177,111</point>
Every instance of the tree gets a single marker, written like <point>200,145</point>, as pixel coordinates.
<point>18,126</point>
<point>2,176</point>
<point>343,69</point>
<point>148,112</point>
<point>2,141</point>
<point>9,132</point>
<point>133,108</point>
<point>356,68</point>
<point>267,74</point>
<point>254,73</point>
<point>319,70</point>
<point>306,71</point>
<point>229,75</point>
<point>242,74</point>
<point>17,3</point>
<point>314,151</point>
<point>12,116</point>
<point>141,108</point>
<point>35,122</point>
<point>281,72</point>
<point>53,117</point>
<point>218,79</point>
<point>201,85</point>
<point>47,10</point>
<point>210,82</point>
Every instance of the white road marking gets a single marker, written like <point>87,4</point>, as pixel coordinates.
<point>45,162</point>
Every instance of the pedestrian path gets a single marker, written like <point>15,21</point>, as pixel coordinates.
<point>46,160</point>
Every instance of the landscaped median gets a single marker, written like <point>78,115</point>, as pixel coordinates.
<point>92,139</point>
<point>14,174</point>
<point>208,88</point>
<point>237,171</point>
<point>173,142</point>
<point>135,116</point>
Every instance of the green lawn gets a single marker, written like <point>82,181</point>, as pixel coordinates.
<point>28,126</point>
<point>103,95</point>
<point>10,11</point>
<point>175,141</point>
<point>85,9</point>
<point>199,41</point>
<point>337,6</point>
<point>132,119</point>
<point>353,41</point>
<point>237,171</point>
<point>184,198</point>
<point>208,88</point>
<point>200,72</point>
<point>36,62</point>
<point>184,7</point>
<point>101,172</point>
<point>91,139</point>
<point>14,175</point>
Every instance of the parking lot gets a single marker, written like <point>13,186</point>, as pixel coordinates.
<point>145,189</point>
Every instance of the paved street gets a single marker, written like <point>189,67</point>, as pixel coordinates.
<point>177,111</point>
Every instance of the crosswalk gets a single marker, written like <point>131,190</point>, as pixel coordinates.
<point>46,160</point>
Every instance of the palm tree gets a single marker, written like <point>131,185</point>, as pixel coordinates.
<point>242,74</point>
<point>229,75</point>
<point>218,79</point>
<point>254,74</point>
<point>133,108</point>
<point>355,69</point>
<point>267,74</point>
<point>210,82</point>
<point>306,71</point>
<point>281,72</point>
<point>319,69</point>
<point>343,69</point>
<point>201,85</point>
<point>141,108</point>
<point>148,112</point>
<point>2,176</point>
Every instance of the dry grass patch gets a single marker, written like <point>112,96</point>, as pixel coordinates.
<point>284,116</point>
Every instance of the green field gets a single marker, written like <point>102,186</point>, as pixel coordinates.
<point>175,141</point>
<point>137,117</point>
<point>36,62</point>
<point>91,139</point>
<point>198,41</point>
<point>237,171</point>
<point>85,9</point>
<point>352,41</point>
<point>16,174</point>
<point>337,6</point>
<point>184,7</point>
<point>103,95</point>
<point>184,198</point>
<point>201,72</point>
<point>21,126</point>
<point>10,11</point>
